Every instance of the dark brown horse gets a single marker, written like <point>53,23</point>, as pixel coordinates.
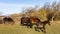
<point>8,19</point>
<point>26,21</point>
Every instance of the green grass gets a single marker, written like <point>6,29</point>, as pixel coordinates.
<point>17,29</point>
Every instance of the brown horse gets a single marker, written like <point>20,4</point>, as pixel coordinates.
<point>41,25</point>
<point>34,20</point>
<point>8,19</point>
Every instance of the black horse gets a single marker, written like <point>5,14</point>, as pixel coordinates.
<point>8,19</point>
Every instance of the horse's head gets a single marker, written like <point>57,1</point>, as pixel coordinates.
<point>49,17</point>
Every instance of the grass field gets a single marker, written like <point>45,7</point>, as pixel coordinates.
<point>18,29</point>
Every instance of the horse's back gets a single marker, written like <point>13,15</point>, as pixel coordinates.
<point>34,19</point>
<point>25,19</point>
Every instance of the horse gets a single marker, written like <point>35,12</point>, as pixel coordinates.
<point>8,19</point>
<point>41,25</point>
<point>26,21</point>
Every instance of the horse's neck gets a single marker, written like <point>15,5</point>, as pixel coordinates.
<point>38,19</point>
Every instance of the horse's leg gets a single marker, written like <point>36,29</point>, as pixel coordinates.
<point>37,28</point>
<point>40,28</point>
<point>21,23</point>
<point>29,25</point>
<point>44,30</point>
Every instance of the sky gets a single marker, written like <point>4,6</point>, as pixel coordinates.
<point>16,6</point>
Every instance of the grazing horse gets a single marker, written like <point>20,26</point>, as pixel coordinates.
<point>8,19</point>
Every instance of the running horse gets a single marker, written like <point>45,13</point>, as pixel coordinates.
<point>8,19</point>
<point>41,25</point>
